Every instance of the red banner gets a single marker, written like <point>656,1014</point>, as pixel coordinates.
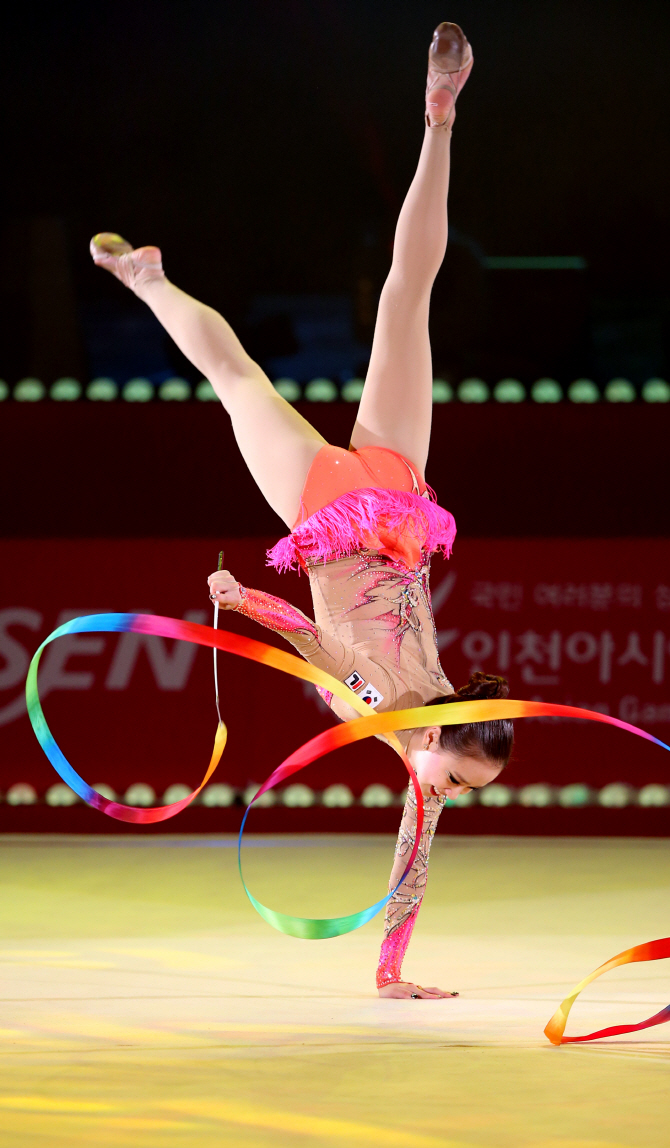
<point>584,623</point>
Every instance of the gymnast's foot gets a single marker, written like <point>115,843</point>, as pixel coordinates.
<point>134,267</point>
<point>449,65</point>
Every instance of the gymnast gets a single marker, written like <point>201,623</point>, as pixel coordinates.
<point>363,523</point>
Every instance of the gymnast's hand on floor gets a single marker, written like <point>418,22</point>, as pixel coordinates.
<point>224,589</point>
<point>404,990</point>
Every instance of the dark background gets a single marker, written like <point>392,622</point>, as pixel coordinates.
<point>266,147</point>
<point>172,470</point>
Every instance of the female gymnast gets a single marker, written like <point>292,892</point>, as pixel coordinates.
<point>363,522</point>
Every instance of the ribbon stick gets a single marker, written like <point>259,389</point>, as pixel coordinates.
<point>343,734</point>
<point>651,951</point>
<point>215,651</point>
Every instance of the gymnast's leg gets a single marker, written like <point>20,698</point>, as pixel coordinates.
<point>277,444</point>
<point>397,402</point>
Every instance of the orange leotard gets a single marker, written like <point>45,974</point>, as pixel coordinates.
<point>365,532</point>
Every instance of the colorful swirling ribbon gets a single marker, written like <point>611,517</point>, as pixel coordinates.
<point>343,734</point>
<point>651,951</point>
<point>306,927</point>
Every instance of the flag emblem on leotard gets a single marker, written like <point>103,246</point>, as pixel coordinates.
<point>365,690</point>
<point>371,696</point>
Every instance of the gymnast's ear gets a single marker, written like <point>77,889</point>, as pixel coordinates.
<point>430,738</point>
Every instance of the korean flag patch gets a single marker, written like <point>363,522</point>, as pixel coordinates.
<point>371,696</point>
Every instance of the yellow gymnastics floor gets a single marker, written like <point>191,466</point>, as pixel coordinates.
<point>146,1005</point>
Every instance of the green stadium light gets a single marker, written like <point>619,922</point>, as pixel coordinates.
<point>21,793</point>
<point>65,391</point>
<point>473,391</point>
<point>653,795</point>
<point>174,391</point>
<point>620,391</point>
<point>352,390</point>
<point>656,391</point>
<point>464,799</point>
<point>266,799</point>
<point>138,391</point>
<point>571,796</point>
<point>102,391</point>
<point>496,796</point>
<point>616,795</point>
<point>176,792</point>
<point>321,391</point>
<point>583,391</point>
<point>29,391</point>
<point>140,794</point>
<point>337,796</point>
<point>546,391</point>
<point>288,389</point>
<point>538,795</point>
<point>509,391</point>
<point>377,796</point>
<point>218,796</point>
<point>443,392</point>
<point>60,795</point>
<point>298,796</point>
<point>205,393</point>
<point>105,790</point>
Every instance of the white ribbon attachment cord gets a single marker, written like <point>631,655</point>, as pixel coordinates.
<point>215,651</point>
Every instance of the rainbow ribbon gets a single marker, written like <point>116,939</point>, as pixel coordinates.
<point>306,927</point>
<point>343,734</point>
<point>651,951</point>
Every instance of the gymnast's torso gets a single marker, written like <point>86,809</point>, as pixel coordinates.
<point>367,529</point>
<point>381,612</point>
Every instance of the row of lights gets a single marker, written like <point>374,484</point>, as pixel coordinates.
<point>616,795</point>
<point>478,391</point>
<point>107,391</point>
<point>327,391</point>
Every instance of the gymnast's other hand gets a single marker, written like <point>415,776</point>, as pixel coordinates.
<point>405,990</point>
<point>224,589</point>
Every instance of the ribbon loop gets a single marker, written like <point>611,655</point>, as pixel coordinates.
<point>651,951</point>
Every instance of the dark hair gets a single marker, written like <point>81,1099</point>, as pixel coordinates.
<point>492,740</point>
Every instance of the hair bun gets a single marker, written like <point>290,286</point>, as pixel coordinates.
<point>491,739</point>
<point>483,686</point>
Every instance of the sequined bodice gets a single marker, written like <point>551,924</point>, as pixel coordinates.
<point>381,610</point>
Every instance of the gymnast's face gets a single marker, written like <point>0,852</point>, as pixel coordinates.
<point>441,772</point>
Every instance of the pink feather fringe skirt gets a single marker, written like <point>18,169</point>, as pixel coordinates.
<point>369,499</point>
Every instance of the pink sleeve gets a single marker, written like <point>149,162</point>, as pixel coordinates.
<point>274,613</point>
<point>403,908</point>
<point>312,643</point>
<point>393,951</point>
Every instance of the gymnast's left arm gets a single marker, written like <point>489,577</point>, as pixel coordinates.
<point>403,908</point>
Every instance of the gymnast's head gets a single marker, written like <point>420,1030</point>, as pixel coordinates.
<point>451,760</point>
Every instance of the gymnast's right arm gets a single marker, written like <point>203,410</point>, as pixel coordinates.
<point>319,648</point>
